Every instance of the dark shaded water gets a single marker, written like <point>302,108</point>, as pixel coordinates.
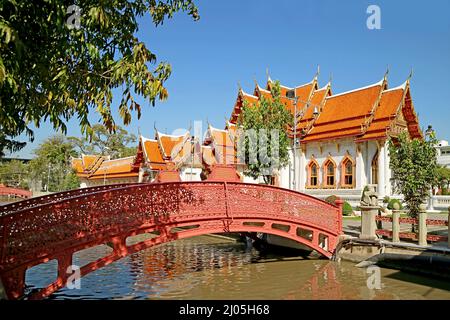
<point>210,268</point>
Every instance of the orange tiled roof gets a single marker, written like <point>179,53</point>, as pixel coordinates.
<point>345,114</point>
<point>316,102</point>
<point>302,92</point>
<point>386,112</point>
<point>90,161</point>
<point>171,145</point>
<point>121,166</point>
<point>152,154</point>
<point>77,165</point>
<point>242,97</point>
<point>223,142</point>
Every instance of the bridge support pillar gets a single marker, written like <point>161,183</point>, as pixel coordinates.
<point>13,283</point>
<point>64,262</point>
<point>119,246</point>
<point>368,223</point>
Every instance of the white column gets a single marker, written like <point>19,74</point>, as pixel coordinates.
<point>368,165</point>
<point>360,170</point>
<point>302,171</point>
<point>388,172</point>
<point>381,172</point>
<point>141,175</point>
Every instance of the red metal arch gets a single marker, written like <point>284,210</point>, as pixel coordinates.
<point>56,230</point>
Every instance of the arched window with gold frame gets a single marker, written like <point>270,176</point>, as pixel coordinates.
<point>329,173</point>
<point>374,169</point>
<point>348,172</point>
<point>313,174</point>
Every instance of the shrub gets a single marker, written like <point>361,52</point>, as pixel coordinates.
<point>386,199</point>
<point>394,204</point>
<point>347,209</point>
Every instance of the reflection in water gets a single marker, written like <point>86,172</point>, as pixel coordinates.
<point>207,268</point>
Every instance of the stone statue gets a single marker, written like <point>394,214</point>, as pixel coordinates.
<point>369,198</point>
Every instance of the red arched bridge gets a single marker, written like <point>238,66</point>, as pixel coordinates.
<point>14,192</point>
<point>38,230</point>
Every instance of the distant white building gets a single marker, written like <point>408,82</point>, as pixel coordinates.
<point>443,153</point>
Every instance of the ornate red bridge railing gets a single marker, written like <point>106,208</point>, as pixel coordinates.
<point>59,226</point>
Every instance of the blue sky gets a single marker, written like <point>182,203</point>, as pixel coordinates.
<point>235,41</point>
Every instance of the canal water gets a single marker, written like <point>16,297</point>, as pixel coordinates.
<point>206,267</point>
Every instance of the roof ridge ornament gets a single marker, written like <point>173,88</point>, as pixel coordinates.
<point>268,75</point>
<point>317,72</point>
<point>386,73</point>
<point>410,74</point>
<point>154,127</point>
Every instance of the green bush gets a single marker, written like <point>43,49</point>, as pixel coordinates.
<point>391,204</point>
<point>386,199</point>
<point>347,209</point>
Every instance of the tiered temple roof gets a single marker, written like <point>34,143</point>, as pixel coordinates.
<point>371,112</point>
<point>374,112</point>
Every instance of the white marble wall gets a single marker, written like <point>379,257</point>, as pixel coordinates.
<point>362,153</point>
<point>185,174</point>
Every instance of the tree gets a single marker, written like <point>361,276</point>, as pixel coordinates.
<point>263,140</point>
<point>60,59</point>
<point>103,142</point>
<point>444,179</point>
<point>52,164</point>
<point>14,173</point>
<point>414,169</point>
